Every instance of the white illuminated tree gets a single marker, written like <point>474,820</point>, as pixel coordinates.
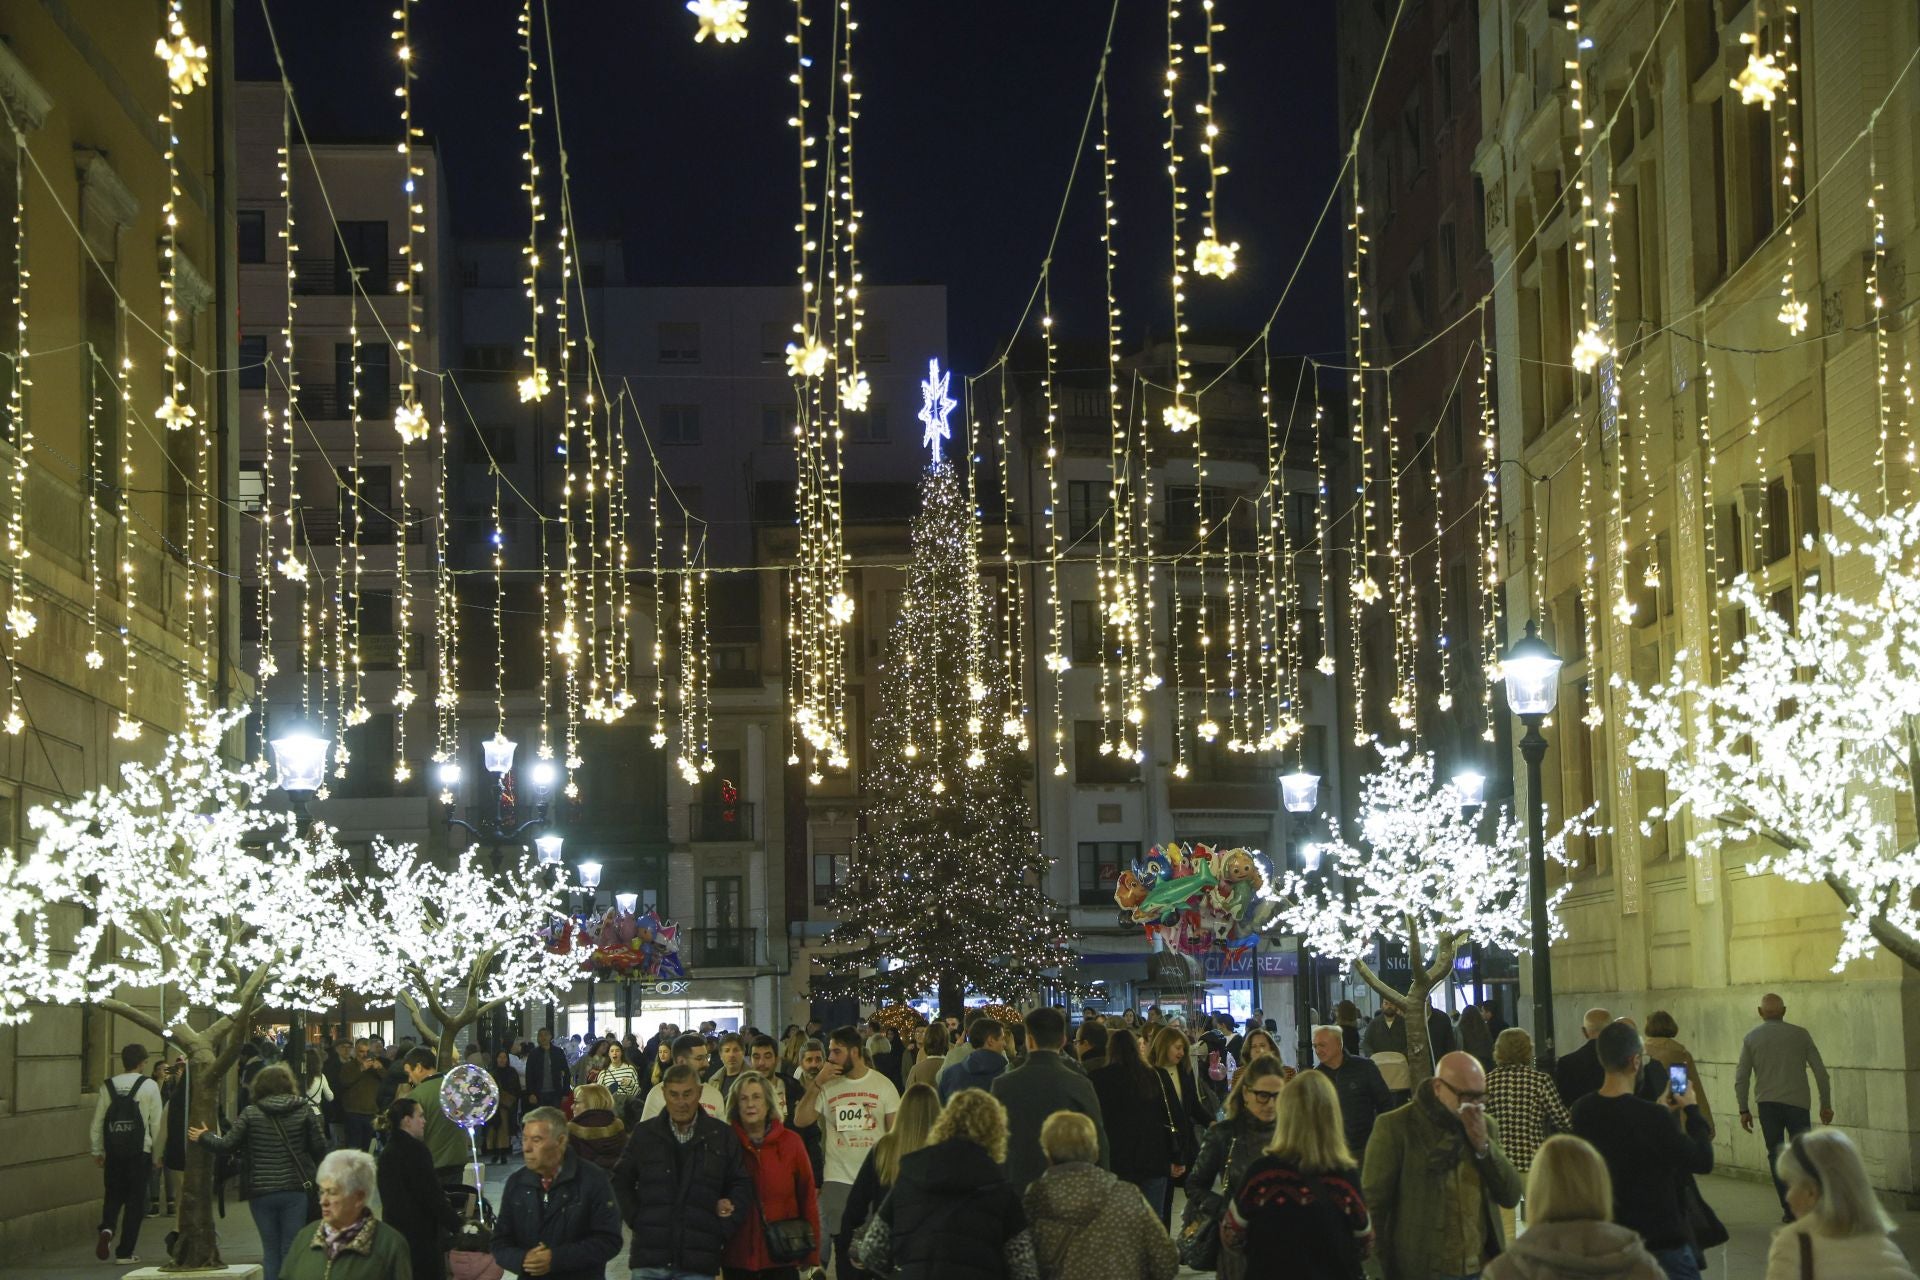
<point>1808,740</point>
<point>1425,876</point>
<point>178,881</point>
<point>455,945</point>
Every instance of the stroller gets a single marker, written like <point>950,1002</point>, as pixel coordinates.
<point>470,1257</point>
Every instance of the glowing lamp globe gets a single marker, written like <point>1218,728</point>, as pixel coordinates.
<point>498,751</point>
<point>545,774</point>
<point>590,875</point>
<point>1299,792</point>
<point>628,903</point>
<point>1471,786</point>
<point>548,847</point>
<point>1310,857</point>
<point>449,774</point>
<point>300,760</point>
<point>1532,674</point>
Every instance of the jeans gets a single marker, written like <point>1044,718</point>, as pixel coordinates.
<point>1678,1262</point>
<point>279,1215</point>
<point>668,1273</point>
<point>1158,1192</point>
<point>359,1131</point>
<point>126,1200</point>
<point>1780,1121</point>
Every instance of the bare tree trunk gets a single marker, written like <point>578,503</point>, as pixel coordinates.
<point>198,1245</point>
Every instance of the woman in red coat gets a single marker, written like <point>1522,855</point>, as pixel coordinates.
<point>782,1186</point>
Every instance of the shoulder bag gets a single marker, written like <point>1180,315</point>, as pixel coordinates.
<point>1199,1241</point>
<point>790,1239</point>
<point>307,1184</point>
<point>1806,1256</point>
<point>1185,1149</point>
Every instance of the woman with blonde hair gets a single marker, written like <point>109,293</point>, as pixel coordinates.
<point>1524,1101</point>
<point>1570,1232</point>
<point>1299,1213</point>
<point>919,1110</point>
<point>952,1208</point>
<point>783,1190</point>
<point>596,1132</point>
<point>1839,1227</point>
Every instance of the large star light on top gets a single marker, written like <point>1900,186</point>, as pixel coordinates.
<point>724,20</point>
<point>935,406</point>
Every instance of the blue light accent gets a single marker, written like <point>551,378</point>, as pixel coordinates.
<point>935,407</point>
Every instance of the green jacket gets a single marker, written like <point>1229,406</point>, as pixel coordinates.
<point>377,1253</point>
<point>1404,1197</point>
<point>446,1140</point>
<point>359,1087</point>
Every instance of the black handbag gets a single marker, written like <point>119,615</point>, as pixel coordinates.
<point>1703,1224</point>
<point>790,1239</point>
<point>1199,1239</point>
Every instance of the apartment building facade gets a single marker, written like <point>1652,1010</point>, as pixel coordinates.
<point>107,481</point>
<point>1727,424</point>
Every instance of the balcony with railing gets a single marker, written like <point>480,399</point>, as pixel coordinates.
<point>375,526</point>
<point>322,277</point>
<point>719,822</point>
<point>724,947</point>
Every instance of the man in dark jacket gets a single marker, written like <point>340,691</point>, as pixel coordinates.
<point>558,1217</point>
<point>1364,1096</point>
<point>1579,1073</point>
<point>979,1069</point>
<point>683,1184</point>
<point>411,1201</point>
<point>1044,1084</point>
<point>1091,1046</point>
<point>765,1056</point>
<point>547,1079</point>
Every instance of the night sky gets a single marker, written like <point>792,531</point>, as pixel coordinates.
<point>971,113</point>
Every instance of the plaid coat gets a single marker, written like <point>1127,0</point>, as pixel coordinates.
<point>1525,1101</point>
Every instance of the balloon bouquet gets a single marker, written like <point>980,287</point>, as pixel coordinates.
<point>1195,900</point>
<point>469,1097</point>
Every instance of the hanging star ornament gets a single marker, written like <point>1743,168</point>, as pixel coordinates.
<point>855,392</point>
<point>807,360</point>
<point>177,416</point>
<point>186,61</point>
<point>1761,80</point>
<point>1179,417</point>
<point>724,20</point>
<point>1590,350</point>
<point>935,406</point>
<point>534,386</point>
<point>1213,258</point>
<point>410,420</point>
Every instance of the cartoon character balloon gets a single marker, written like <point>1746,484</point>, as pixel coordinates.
<point>1195,900</point>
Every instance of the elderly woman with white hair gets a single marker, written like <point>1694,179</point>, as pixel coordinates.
<point>348,1243</point>
<point>1839,1227</point>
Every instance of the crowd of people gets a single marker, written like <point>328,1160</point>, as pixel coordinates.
<point>1035,1151</point>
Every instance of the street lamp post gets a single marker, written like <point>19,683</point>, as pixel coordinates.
<point>300,766</point>
<point>498,830</point>
<point>1531,671</point>
<point>1300,792</point>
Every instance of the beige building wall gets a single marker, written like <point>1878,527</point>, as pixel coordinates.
<point>1727,426</point>
<point>82,86</point>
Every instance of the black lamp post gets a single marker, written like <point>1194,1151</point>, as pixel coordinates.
<point>499,830</point>
<point>300,766</point>
<point>1299,793</point>
<point>1532,674</point>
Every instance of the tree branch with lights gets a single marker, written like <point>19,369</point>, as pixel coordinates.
<point>945,890</point>
<point>1430,873</point>
<point>1806,740</point>
<point>455,945</point>
<point>180,882</point>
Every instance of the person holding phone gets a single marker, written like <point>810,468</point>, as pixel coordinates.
<point>1664,1048</point>
<point>1647,1155</point>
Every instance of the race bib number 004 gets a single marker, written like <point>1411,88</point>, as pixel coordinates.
<point>854,1117</point>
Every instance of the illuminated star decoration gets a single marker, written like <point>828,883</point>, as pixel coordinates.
<point>724,20</point>
<point>186,61</point>
<point>1761,80</point>
<point>935,406</point>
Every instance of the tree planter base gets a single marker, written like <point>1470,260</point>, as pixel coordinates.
<point>237,1271</point>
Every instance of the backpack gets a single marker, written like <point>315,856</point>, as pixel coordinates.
<point>124,1131</point>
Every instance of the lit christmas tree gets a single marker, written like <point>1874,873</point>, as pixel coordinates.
<point>944,894</point>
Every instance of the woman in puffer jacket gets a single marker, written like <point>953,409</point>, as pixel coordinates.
<point>1570,1231</point>
<point>284,1145</point>
<point>1088,1224</point>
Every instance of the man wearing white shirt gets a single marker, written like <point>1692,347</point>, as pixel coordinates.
<point>692,1050</point>
<point>854,1105</point>
<point>126,1119</point>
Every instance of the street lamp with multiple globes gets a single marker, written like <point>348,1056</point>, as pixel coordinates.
<point>498,829</point>
<point>1531,671</point>
<point>300,768</point>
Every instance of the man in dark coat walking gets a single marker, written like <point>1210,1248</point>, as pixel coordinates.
<point>558,1218</point>
<point>547,1079</point>
<point>411,1201</point>
<point>1044,1084</point>
<point>683,1184</point>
